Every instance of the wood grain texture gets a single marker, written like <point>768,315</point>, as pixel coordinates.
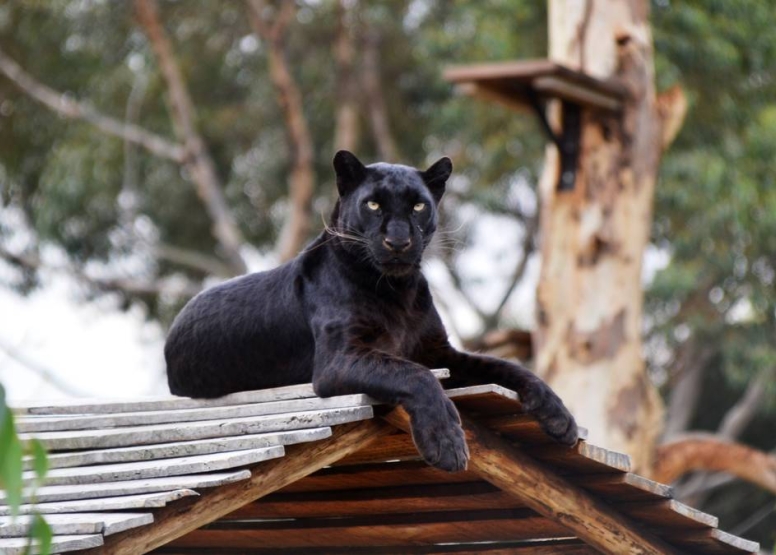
<point>163,433</point>
<point>142,501</point>
<point>187,515</point>
<point>76,524</point>
<point>36,424</point>
<point>388,530</point>
<point>130,487</point>
<point>152,469</point>
<point>59,544</point>
<point>513,471</point>
<point>182,448</point>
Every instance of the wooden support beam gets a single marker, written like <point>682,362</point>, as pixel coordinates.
<point>189,514</point>
<point>508,468</point>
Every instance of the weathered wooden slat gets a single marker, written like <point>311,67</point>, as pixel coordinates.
<point>471,496</point>
<point>152,469</point>
<point>713,542</point>
<point>378,475</point>
<point>95,491</point>
<point>163,433</point>
<point>183,448</point>
<point>622,486</point>
<point>59,544</point>
<point>188,514</point>
<point>396,447</point>
<point>522,428</point>
<point>76,524</point>
<point>669,514</point>
<point>387,530</point>
<point>36,424</point>
<point>511,470</point>
<point>169,402</point>
<point>538,547</point>
<point>124,502</point>
<point>581,459</point>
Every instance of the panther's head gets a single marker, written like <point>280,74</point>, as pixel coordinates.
<point>388,211</point>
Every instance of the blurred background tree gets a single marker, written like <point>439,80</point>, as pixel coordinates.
<point>158,148</point>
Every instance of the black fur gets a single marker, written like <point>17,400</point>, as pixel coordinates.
<point>352,314</point>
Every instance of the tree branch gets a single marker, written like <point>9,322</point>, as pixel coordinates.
<point>741,414</point>
<point>192,259</point>
<point>683,399</point>
<point>528,247</point>
<point>346,126</point>
<point>198,160</point>
<point>72,109</point>
<point>301,183</point>
<point>710,453</point>
<point>127,286</point>
<point>378,112</point>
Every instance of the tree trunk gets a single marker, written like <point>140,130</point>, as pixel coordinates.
<point>589,320</point>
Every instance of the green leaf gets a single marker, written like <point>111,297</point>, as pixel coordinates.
<point>40,532</point>
<point>39,460</point>
<point>10,460</point>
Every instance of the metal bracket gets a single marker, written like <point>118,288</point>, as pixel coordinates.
<point>568,141</point>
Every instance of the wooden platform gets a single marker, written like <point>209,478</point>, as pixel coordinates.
<point>512,84</point>
<point>283,471</point>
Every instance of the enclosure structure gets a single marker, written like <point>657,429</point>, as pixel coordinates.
<point>282,470</point>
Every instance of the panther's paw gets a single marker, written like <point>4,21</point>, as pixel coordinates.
<point>543,404</point>
<point>438,435</point>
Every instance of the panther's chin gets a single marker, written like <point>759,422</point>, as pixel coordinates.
<point>397,268</point>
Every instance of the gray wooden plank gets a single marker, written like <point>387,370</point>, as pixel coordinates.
<point>163,433</point>
<point>121,503</point>
<point>35,424</point>
<point>152,469</point>
<point>169,402</point>
<point>48,494</point>
<point>76,524</point>
<point>59,544</point>
<point>182,448</point>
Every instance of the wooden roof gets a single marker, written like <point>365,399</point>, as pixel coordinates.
<point>270,471</point>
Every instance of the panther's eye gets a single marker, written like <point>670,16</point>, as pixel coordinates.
<point>372,205</point>
<point>419,207</point>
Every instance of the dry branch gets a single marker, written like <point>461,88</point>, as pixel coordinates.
<point>301,182</point>
<point>198,160</point>
<point>72,109</point>
<point>710,453</point>
<point>378,112</point>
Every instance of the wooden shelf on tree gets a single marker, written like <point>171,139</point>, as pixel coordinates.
<point>514,84</point>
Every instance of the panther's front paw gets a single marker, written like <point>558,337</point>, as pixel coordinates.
<point>439,437</point>
<point>543,404</point>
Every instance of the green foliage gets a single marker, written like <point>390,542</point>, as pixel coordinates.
<point>12,451</point>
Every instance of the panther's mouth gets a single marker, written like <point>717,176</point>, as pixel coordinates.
<point>397,267</point>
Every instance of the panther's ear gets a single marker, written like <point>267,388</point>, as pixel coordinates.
<point>350,172</point>
<point>436,176</point>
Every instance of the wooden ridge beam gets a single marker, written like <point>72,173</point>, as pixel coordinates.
<point>508,468</point>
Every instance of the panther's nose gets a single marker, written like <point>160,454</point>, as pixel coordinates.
<point>397,244</point>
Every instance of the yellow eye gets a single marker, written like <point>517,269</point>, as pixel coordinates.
<point>419,207</point>
<point>372,205</point>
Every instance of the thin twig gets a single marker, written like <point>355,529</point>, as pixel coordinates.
<point>72,109</point>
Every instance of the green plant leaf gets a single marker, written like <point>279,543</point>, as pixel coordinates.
<point>39,460</point>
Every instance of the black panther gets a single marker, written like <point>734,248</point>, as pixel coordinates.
<point>353,314</point>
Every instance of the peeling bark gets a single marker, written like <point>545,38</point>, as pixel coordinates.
<point>593,236</point>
